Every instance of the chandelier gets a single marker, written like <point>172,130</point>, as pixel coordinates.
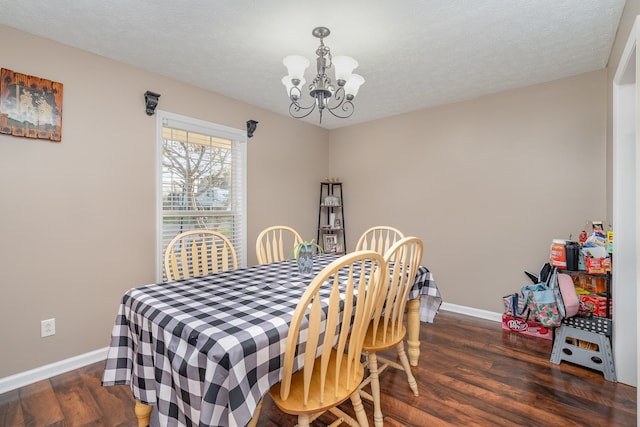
<point>324,94</point>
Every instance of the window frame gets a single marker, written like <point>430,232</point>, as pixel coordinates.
<point>216,130</point>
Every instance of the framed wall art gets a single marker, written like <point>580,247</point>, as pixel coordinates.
<point>330,242</point>
<point>30,106</point>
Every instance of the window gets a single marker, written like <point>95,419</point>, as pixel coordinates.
<point>202,181</point>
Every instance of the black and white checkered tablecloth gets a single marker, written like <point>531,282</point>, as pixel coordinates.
<point>430,299</point>
<point>205,350</point>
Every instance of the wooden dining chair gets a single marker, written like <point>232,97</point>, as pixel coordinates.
<point>379,238</point>
<point>387,329</point>
<point>331,370</point>
<point>276,244</point>
<point>198,253</point>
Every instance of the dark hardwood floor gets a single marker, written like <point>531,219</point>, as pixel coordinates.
<point>471,373</point>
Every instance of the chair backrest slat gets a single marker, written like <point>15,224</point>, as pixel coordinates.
<point>276,243</point>
<point>379,238</point>
<point>356,282</point>
<point>197,253</point>
<point>403,260</point>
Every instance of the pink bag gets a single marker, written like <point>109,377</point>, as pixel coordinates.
<point>569,296</point>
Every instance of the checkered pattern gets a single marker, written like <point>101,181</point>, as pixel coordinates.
<point>205,350</point>
<point>430,299</point>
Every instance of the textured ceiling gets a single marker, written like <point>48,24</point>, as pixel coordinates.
<point>413,54</point>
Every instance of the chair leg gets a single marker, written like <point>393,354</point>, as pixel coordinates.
<point>375,389</point>
<point>303,420</point>
<point>143,413</point>
<point>407,368</point>
<point>359,409</point>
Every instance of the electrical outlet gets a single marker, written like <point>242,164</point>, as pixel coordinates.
<point>47,328</point>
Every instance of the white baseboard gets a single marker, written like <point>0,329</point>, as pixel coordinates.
<point>473,312</point>
<point>44,372</point>
<point>22,379</point>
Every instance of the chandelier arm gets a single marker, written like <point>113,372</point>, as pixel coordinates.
<point>299,112</point>
<point>346,106</point>
<point>337,98</point>
<point>340,103</point>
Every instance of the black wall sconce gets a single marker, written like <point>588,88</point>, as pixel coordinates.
<point>251,127</point>
<point>151,102</point>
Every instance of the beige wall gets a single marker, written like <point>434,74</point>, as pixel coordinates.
<point>486,183</point>
<point>78,216</point>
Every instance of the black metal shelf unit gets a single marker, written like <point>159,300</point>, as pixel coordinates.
<point>592,322</point>
<point>331,218</point>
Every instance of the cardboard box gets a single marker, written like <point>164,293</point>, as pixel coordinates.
<point>526,327</point>
<point>595,265</point>
<point>601,309</point>
<point>589,302</point>
<point>558,256</point>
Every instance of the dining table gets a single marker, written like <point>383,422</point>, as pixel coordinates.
<point>205,350</point>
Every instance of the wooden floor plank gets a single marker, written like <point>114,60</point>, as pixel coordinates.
<point>76,400</point>
<point>40,405</point>
<point>11,410</point>
<point>108,397</point>
<point>471,373</point>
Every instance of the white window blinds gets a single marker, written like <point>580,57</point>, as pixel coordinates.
<point>203,181</point>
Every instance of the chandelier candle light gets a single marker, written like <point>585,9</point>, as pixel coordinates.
<point>325,95</point>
